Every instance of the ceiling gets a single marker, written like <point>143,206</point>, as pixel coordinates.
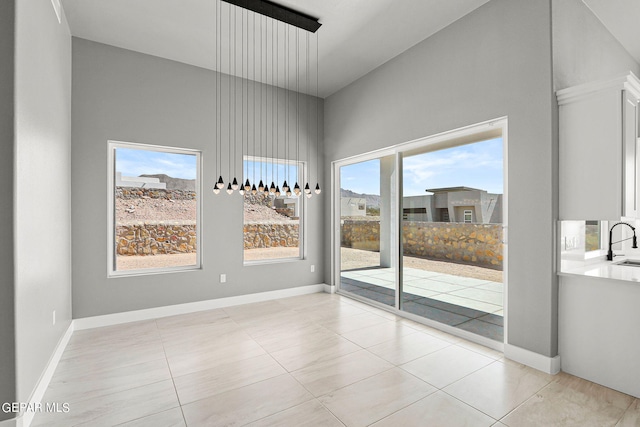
<point>356,36</point>
<point>622,19</point>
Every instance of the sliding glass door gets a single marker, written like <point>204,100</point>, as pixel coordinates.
<point>367,241</point>
<point>421,231</point>
<point>452,250</point>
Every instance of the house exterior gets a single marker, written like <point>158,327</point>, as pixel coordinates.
<point>353,206</point>
<point>454,204</point>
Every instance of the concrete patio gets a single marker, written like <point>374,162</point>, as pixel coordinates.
<point>468,303</point>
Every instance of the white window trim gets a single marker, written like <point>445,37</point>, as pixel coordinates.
<point>111,226</point>
<point>464,216</point>
<point>602,250</point>
<point>302,214</point>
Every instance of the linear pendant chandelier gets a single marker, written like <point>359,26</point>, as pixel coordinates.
<point>268,82</point>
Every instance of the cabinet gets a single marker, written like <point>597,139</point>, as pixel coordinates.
<point>598,331</point>
<point>598,150</point>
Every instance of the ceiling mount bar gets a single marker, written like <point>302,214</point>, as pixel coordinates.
<point>281,13</point>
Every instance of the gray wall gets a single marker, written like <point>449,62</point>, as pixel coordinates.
<point>7,327</point>
<point>583,49</point>
<point>42,183</point>
<point>494,62</point>
<point>128,96</point>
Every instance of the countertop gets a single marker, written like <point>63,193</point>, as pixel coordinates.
<point>606,270</point>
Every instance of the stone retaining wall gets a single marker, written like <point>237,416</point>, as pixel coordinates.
<point>261,235</point>
<point>153,193</point>
<point>156,237</point>
<point>177,237</point>
<point>477,244</point>
<point>360,234</point>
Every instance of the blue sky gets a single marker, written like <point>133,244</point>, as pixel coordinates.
<point>478,165</point>
<point>133,162</point>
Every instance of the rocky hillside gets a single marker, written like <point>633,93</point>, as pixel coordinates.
<point>175,183</point>
<point>373,201</point>
<point>144,208</point>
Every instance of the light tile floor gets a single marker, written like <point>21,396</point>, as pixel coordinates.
<point>312,360</point>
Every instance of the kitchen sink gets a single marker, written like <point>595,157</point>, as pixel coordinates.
<point>629,263</point>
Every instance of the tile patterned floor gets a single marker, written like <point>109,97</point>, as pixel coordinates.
<point>471,304</point>
<point>312,360</point>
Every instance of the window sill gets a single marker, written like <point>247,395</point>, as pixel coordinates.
<point>152,271</point>
<point>271,261</point>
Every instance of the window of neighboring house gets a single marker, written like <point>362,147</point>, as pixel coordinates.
<point>273,228</point>
<point>154,199</point>
<point>361,206</point>
<point>593,235</point>
<point>467,216</point>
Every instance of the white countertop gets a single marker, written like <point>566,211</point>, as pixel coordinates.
<point>606,270</point>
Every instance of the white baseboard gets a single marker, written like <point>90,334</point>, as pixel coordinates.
<point>329,289</point>
<point>172,310</point>
<point>549,365</point>
<point>25,419</point>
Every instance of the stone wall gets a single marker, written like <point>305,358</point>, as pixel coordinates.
<point>264,235</point>
<point>477,244</point>
<point>154,193</point>
<point>361,234</point>
<point>155,237</point>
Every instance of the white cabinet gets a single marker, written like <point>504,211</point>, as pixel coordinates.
<point>599,159</point>
<point>598,331</point>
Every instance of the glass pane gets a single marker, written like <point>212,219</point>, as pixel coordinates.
<point>367,258</point>
<point>592,236</point>
<point>272,222</point>
<point>452,237</point>
<point>155,209</point>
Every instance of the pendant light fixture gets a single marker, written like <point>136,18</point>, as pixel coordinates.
<point>317,190</point>
<point>266,108</point>
<point>232,105</point>
<point>219,183</point>
<point>241,190</point>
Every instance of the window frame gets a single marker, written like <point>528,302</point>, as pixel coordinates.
<point>302,213</point>
<point>464,216</point>
<point>602,243</point>
<point>112,146</point>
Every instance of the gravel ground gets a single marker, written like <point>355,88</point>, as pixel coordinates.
<point>261,213</point>
<point>154,261</point>
<point>155,209</point>
<point>351,259</point>
<point>355,258</point>
<point>174,260</point>
<point>185,210</point>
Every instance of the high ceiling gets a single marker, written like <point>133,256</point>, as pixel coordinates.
<point>356,35</point>
<point>622,19</point>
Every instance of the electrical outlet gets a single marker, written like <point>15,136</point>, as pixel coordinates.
<point>54,317</point>
<point>223,278</point>
<point>313,268</point>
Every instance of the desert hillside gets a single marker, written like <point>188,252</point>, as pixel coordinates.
<point>142,209</point>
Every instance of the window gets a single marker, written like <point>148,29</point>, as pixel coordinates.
<point>468,216</point>
<point>592,236</point>
<point>273,224</point>
<point>154,200</point>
